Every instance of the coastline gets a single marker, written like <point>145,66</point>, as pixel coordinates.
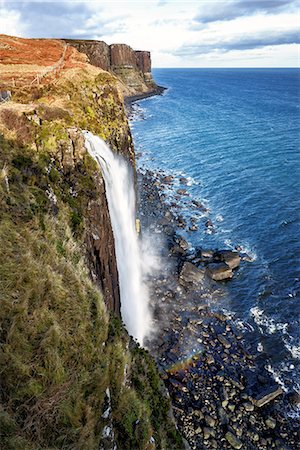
<point>129,100</point>
<point>221,394</point>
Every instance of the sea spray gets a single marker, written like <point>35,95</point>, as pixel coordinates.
<point>120,192</point>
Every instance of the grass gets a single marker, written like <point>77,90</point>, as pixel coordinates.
<point>59,348</point>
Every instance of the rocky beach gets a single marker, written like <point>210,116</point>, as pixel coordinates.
<point>221,393</point>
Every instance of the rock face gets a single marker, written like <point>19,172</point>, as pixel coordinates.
<point>101,250</point>
<point>98,52</point>
<point>130,66</point>
<point>121,55</point>
<point>144,64</point>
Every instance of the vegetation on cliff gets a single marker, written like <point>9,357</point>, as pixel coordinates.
<point>60,349</point>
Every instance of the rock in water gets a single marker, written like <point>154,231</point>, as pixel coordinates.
<point>219,271</point>
<point>190,274</point>
<point>232,259</point>
<point>267,395</point>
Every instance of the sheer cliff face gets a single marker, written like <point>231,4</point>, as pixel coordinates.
<point>132,67</point>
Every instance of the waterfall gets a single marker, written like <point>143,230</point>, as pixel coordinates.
<point>120,193</point>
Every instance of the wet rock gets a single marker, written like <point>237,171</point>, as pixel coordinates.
<point>183,180</point>
<point>190,274</point>
<point>219,271</point>
<point>182,243</point>
<point>182,192</point>
<point>197,204</point>
<point>209,224</point>
<point>205,255</point>
<point>233,440</point>
<point>232,259</point>
<point>168,179</point>
<point>266,396</point>
<point>294,398</point>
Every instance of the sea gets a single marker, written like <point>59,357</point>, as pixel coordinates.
<point>234,135</point>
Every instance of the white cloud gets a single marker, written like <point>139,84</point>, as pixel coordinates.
<point>10,22</point>
<point>169,28</point>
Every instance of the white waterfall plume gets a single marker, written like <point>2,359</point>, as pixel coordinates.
<point>120,193</point>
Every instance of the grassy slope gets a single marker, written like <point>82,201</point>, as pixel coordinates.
<point>59,349</point>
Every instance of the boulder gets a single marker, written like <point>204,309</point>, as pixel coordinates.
<point>190,274</point>
<point>233,440</point>
<point>182,192</point>
<point>232,259</point>
<point>219,271</point>
<point>5,96</point>
<point>267,395</point>
<point>183,180</point>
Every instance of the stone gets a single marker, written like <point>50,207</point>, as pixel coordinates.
<point>5,96</point>
<point>210,421</point>
<point>270,423</point>
<point>207,432</point>
<point>182,192</point>
<point>223,341</point>
<point>233,440</point>
<point>210,359</point>
<point>248,406</point>
<point>209,224</point>
<point>183,180</point>
<point>219,271</point>
<point>190,274</point>
<point>232,259</point>
<point>168,179</point>
<point>267,396</point>
<point>182,243</point>
<point>205,255</point>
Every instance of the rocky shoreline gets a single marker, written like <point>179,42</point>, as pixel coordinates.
<point>130,100</point>
<point>222,395</point>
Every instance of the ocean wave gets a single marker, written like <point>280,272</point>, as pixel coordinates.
<point>292,348</point>
<point>276,374</point>
<point>267,324</point>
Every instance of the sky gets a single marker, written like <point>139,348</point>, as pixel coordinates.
<point>203,33</point>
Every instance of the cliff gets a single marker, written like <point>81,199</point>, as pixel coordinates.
<point>70,375</point>
<point>133,68</point>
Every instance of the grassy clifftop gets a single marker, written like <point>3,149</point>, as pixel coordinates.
<point>70,376</point>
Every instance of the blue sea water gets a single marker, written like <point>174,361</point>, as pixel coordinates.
<point>235,134</point>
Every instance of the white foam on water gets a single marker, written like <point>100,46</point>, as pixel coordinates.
<point>276,374</point>
<point>267,324</point>
<point>293,348</point>
<point>260,347</point>
<point>219,218</point>
<point>133,264</point>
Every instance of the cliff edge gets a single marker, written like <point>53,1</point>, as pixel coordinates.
<point>132,68</point>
